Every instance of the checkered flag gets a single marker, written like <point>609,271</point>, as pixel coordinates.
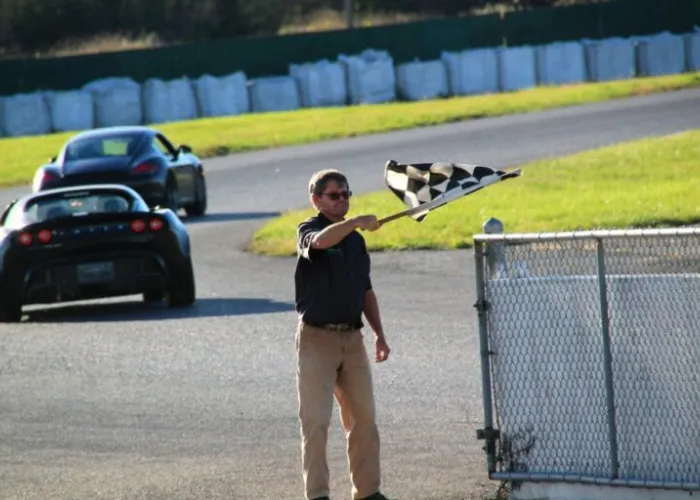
<point>425,186</point>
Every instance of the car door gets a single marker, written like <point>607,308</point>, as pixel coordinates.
<point>181,165</point>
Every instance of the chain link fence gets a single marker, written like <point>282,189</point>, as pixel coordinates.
<point>591,356</point>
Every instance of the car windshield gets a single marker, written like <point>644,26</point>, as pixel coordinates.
<point>71,204</point>
<point>101,147</point>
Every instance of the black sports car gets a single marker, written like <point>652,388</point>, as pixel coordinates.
<point>140,157</point>
<point>88,242</point>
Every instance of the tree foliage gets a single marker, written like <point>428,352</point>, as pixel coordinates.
<point>37,25</point>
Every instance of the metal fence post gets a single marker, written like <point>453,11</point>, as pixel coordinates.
<point>496,255</point>
<point>348,8</point>
<point>488,433</point>
<point>607,356</point>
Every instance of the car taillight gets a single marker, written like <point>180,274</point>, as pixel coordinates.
<point>25,239</point>
<point>145,169</point>
<point>42,178</point>
<point>138,226</point>
<point>44,236</point>
<point>155,224</point>
<point>48,177</point>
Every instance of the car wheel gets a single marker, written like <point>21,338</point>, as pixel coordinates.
<point>153,296</point>
<point>181,289</point>
<point>11,312</point>
<point>199,207</point>
<point>172,200</point>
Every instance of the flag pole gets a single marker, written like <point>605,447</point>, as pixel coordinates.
<point>424,207</point>
<point>395,216</point>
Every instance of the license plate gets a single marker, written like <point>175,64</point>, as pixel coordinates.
<point>95,272</point>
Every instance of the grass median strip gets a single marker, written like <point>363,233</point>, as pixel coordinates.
<point>646,183</point>
<point>217,136</point>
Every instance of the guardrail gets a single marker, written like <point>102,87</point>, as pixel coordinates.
<point>368,77</point>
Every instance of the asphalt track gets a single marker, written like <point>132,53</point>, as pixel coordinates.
<point>117,400</point>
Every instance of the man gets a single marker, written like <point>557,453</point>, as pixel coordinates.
<point>333,291</point>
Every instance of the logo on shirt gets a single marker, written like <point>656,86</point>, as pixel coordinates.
<point>336,251</point>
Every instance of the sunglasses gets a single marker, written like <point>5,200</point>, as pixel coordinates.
<point>337,195</point>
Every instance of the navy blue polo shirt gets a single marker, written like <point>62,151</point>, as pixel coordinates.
<point>331,283</point>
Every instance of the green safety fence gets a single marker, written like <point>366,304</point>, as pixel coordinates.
<point>405,42</point>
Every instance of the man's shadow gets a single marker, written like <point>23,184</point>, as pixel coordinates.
<point>137,310</point>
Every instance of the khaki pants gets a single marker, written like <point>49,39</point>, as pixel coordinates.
<point>336,364</point>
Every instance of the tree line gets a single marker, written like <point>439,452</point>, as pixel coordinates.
<point>36,25</point>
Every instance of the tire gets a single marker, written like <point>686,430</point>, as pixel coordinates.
<point>199,207</point>
<point>172,199</point>
<point>11,311</point>
<point>181,289</point>
<point>150,297</point>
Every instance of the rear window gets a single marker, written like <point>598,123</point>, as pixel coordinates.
<point>101,147</point>
<point>72,204</point>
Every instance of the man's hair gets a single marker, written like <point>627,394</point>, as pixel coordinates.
<point>319,180</point>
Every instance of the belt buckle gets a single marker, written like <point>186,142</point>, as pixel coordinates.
<point>340,327</point>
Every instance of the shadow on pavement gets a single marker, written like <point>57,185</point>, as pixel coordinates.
<point>136,310</point>
<point>228,217</point>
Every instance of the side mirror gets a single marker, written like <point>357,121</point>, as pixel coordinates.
<point>185,148</point>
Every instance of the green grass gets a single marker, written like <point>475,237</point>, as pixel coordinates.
<point>218,136</point>
<point>647,183</point>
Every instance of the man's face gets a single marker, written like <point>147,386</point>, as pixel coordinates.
<point>334,200</point>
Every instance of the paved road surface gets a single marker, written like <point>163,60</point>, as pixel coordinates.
<point>120,401</point>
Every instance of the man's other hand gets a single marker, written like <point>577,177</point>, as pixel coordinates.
<point>382,350</point>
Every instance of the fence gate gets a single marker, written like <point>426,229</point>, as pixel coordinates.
<point>590,351</point>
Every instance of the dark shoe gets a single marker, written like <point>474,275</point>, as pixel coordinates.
<point>322,498</point>
<point>376,496</point>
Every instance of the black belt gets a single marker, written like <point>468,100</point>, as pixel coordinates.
<point>336,327</point>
